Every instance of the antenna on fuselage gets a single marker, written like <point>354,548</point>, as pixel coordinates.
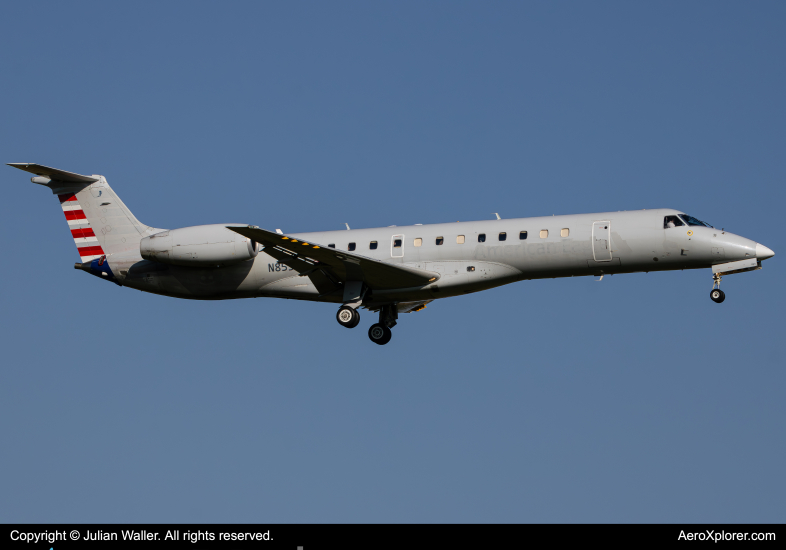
<point>345,223</point>
<point>497,215</point>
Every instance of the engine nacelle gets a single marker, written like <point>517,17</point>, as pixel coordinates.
<point>200,245</point>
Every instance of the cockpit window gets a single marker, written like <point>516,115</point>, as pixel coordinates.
<point>690,220</point>
<point>672,221</point>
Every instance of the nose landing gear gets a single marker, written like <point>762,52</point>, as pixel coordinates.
<point>717,295</point>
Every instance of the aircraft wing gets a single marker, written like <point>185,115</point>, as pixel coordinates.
<point>339,264</point>
<point>404,307</point>
<point>409,307</point>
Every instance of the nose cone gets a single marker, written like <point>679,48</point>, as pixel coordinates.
<point>762,252</point>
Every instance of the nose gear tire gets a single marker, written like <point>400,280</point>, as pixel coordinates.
<point>717,295</point>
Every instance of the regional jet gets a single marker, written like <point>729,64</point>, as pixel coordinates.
<point>388,270</point>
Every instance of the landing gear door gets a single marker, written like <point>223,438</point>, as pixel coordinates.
<point>601,241</point>
<point>397,246</point>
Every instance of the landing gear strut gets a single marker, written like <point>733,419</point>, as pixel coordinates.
<point>717,295</point>
<point>347,317</point>
<point>380,333</point>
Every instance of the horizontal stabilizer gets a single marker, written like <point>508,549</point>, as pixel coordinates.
<point>53,173</point>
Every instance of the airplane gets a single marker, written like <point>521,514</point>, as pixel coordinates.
<point>388,270</point>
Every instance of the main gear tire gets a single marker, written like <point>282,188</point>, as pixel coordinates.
<point>347,317</point>
<point>379,334</point>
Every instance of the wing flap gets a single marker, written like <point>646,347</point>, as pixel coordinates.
<point>342,265</point>
<point>410,307</point>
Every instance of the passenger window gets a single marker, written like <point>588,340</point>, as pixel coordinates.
<point>672,221</point>
<point>331,246</point>
<point>460,239</point>
<point>564,232</point>
<point>470,268</point>
<point>373,245</point>
<point>482,238</point>
<point>523,235</point>
<point>351,246</point>
<point>503,236</point>
<point>396,243</point>
<point>440,240</point>
<point>544,233</point>
<point>418,242</point>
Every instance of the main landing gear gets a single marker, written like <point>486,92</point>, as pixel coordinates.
<point>379,333</point>
<point>348,317</point>
<point>717,295</point>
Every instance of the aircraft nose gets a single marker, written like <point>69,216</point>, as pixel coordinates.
<point>762,252</point>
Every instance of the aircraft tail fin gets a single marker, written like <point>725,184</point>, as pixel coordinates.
<point>99,222</point>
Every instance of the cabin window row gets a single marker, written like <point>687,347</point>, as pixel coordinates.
<point>460,239</point>
<point>502,236</point>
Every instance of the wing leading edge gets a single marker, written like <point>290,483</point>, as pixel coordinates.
<point>312,258</point>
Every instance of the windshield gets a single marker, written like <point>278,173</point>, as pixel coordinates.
<point>690,220</point>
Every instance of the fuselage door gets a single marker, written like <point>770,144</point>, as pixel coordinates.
<point>601,241</point>
<point>397,246</point>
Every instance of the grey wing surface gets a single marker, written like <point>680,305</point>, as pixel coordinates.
<point>308,258</point>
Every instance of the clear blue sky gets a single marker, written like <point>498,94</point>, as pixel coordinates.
<point>630,400</point>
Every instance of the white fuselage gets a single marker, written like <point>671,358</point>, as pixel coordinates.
<point>469,256</point>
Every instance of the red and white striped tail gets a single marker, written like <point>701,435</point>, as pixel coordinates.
<point>84,238</point>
